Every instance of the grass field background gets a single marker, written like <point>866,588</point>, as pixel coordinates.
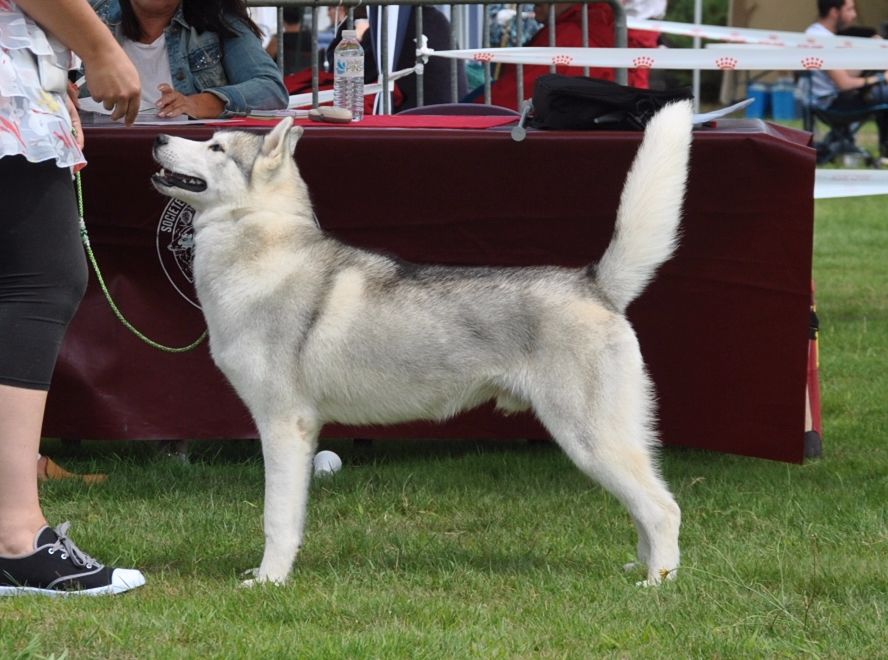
<point>503,550</point>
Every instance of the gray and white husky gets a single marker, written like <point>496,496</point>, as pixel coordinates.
<point>309,330</point>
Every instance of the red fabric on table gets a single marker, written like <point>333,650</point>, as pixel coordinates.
<point>387,121</point>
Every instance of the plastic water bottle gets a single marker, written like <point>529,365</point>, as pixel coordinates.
<point>348,75</point>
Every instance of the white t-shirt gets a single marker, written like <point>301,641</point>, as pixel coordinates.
<point>645,8</point>
<point>267,19</point>
<point>823,89</point>
<point>153,64</point>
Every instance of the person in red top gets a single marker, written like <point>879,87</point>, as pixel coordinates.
<point>569,33</point>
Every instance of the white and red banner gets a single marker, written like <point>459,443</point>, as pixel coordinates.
<point>738,58</point>
<point>776,38</point>
<point>829,184</point>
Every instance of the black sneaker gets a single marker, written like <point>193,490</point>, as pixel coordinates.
<point>57,567</point>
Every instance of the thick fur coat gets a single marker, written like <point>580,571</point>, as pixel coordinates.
<point>310,330</point>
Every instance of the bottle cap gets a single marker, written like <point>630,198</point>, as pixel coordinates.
<point>349,34</point>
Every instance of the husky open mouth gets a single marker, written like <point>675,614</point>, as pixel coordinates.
<point>177,180</point>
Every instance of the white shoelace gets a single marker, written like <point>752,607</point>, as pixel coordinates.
<point>69,549</point>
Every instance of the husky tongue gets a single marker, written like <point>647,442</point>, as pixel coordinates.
<point>176,180</point>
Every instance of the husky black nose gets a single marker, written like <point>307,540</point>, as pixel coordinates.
<point>161,140</point>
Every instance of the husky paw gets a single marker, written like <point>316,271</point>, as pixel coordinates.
<point>256,579</point>
<point>252,575</point>
<point>258,582</point>
<point>655,579</point>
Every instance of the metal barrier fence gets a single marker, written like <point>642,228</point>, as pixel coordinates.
<point>456,18</point>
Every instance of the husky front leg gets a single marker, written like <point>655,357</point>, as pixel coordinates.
<point>288,446</point>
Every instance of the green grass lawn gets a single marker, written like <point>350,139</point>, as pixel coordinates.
<point>503,550</point>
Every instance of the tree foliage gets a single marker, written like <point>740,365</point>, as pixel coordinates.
<point>715,12</point>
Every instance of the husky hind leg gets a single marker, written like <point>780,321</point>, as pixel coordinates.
<point>607,434</point>
<point>626,470</point>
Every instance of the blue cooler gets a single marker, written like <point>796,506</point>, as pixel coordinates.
<point>761,101</point>
<point>783,101</point>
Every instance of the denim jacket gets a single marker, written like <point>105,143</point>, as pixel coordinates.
<point>236,69</point>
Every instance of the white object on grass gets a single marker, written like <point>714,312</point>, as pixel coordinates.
<point>326,463</point>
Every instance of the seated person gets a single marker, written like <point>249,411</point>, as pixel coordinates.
<point>297,42</point>
<point>504,27</point>
<point>504,21</point>
<point>569,33</point>
<point>846,90</point>
<point>201,58</point>
<point>336,16</point>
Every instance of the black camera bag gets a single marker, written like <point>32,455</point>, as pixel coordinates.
<point>580,103</point>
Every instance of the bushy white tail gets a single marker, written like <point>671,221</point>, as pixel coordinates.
<point>646,232</point>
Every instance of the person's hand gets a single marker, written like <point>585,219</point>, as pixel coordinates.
<point>874,81</point>
<point>198,106</point>
<point>114,82</point>
<point>71,103</point>
<point>171,103</point>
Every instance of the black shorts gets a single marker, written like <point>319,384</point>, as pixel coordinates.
<point>42,268</point>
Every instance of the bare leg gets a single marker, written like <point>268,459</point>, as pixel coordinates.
<point>21,421</point>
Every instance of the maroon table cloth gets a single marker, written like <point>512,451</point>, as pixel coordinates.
<point>723,328</point>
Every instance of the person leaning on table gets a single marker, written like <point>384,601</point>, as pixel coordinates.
<point>201,58</point>
<point>43,268</point>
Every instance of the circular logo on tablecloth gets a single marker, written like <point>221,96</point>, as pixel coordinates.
<point>175,248</point>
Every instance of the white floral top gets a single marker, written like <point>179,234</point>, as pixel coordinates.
<point>33,123</point>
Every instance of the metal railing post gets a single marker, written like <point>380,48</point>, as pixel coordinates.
<point>552,40</point>
<point>621,39</point>
<point>455,25</point>
<point>383,37</point>
<point>519,68</point>
<point>315,57</point>
<point>420,84</point>
<point>485,42</point>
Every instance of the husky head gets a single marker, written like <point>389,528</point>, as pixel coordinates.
<point>232,167</point>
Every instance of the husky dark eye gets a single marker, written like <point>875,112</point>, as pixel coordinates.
<point>217,147</point>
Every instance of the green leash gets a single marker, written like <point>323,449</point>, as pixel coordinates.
<point>92,259</point>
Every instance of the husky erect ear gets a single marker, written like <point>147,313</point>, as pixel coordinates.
<point>282,139</point>
<point>293,136</point>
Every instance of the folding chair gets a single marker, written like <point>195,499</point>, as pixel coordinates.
<point>840,141</point>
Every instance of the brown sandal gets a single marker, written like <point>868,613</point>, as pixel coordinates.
<point>49,469</point>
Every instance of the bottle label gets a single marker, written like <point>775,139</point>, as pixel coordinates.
<point>350,66</point>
